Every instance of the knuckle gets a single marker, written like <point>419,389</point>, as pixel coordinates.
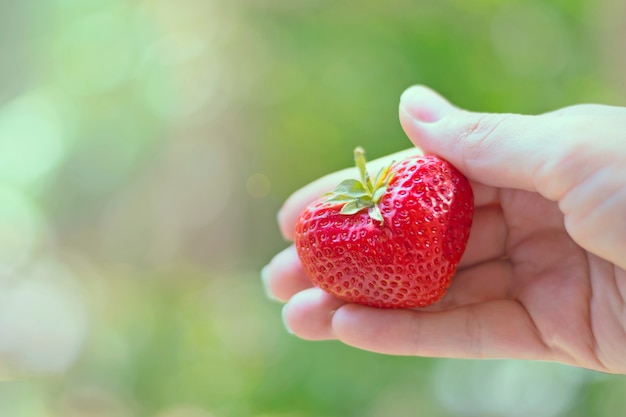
<point>482,133</point>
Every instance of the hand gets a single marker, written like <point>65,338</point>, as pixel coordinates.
<point>543,276</point>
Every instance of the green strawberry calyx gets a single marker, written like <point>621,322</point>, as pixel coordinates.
<point>357,195</point>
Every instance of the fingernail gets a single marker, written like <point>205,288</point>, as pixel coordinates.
<point>412,104</point>
<point>410,93</point>
<point>265,280</point>
<point>413,94</point>
<point>285,323</point>
<point>422,104</point>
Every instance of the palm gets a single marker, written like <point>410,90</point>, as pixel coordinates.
<point>566,296</point>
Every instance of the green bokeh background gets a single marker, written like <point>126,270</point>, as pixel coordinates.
<point>146,145</point>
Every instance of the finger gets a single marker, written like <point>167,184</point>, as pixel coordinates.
<point>309,313</point>
<point>487,239</point>
<point>496,329</point>
<point>502,150</point>
<point>298,201</point>
<point>584,110</point>
<point>283,276</point>
<point>484,194</point>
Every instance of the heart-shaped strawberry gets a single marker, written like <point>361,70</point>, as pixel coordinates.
<point>391,242</point>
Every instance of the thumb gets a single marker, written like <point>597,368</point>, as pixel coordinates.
<point>501,150</point>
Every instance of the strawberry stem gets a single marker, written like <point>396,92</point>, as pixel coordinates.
<point>356,195</point>
<point>361,164</point>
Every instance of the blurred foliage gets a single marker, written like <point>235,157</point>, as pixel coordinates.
<point>145,147</point>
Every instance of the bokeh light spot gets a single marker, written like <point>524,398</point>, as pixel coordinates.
<point>31,138</point>
<point>42,319</point>
<point>548,389</point>
<point>95,53</point>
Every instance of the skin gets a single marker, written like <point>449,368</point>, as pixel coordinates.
<point>544,273</point>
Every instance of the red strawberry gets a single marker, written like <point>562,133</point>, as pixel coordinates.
<point>394,242</point>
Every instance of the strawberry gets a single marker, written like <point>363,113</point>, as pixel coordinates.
<point>394,242</point>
